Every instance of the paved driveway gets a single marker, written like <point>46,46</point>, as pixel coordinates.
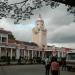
<point>27,70</point>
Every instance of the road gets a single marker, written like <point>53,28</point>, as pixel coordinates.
<point>27,70</point>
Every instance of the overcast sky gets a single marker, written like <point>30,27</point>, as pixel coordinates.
<point>60,26</point>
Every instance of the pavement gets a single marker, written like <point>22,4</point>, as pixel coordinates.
<point>5,63</point>
<point>28,70</point>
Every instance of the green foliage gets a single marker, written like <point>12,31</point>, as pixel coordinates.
<point>24,10</point>
<point>10,36</point>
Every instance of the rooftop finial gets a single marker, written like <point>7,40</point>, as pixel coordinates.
<point>39,18</point>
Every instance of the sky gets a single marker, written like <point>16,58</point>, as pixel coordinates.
<point>59,24</point>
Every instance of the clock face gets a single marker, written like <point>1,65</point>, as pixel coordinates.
<point>36,32</point>
<point>38,29</point>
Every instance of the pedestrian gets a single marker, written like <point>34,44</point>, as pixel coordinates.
<point>19,60</point>
<point>47,66</point>
<point>63,63</point>
<point>55,67</point>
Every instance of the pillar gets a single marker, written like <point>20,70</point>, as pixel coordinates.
<point>42,54</point>
<point>24,53</point>
<point>35,53</point>
<point>28,54</point>
<point>11,54</point>
<point>39,53</point>
<point>62,54</point>
<point>58,53</point>
<point>6,52</point>
<point>32,54</point>
<point>17,53</point>
<point>0,52</point>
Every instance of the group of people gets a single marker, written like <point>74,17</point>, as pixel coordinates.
<point>52,66</point>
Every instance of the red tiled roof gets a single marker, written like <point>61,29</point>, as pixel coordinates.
<point>5,31</point>
<point>26,43</point>
<point>11,41</point>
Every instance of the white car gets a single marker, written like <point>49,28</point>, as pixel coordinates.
<point>70,60</point>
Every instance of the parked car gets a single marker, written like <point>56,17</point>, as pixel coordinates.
<point>70,60</point>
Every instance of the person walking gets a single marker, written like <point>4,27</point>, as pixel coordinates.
<point>63,63</point>
<point>55,67</point>
<point>47,66</point>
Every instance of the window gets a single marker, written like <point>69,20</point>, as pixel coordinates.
<point>71,56</point>
<point>4,39</point>
<point>0,38</point>
<point>41,24</point>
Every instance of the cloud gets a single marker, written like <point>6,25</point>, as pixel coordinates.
<point>64,34</point>
<point>20,32</point>
<point>59,24</point>
<point>23,35</point>
<point>59,16</point>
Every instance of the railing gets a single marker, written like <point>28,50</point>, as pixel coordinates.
<point>4,44</point>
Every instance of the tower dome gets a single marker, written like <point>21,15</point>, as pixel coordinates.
<point>40,19</point>
<point>40,22</point>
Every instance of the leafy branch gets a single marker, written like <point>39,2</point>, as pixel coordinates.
<point>24,10</point>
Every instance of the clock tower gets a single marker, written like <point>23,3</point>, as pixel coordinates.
<point>39,33</point>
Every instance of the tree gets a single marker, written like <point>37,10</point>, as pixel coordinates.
<point>67,2</point>
<point>24,10</point>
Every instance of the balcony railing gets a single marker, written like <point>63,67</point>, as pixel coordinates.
<point>5,44</point>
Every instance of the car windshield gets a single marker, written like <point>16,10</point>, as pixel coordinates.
<point>71,56</point>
